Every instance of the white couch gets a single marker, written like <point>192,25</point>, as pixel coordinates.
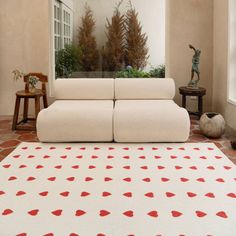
<point>123,110</point>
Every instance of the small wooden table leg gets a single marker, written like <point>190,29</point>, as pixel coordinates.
<point>183,101</point>
<point>26,107</point>
<point>200,106</point>
<point>16,113</point>
<point>37,107</point>
<point>45,101</point>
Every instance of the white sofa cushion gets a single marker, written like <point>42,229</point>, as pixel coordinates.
<point>71,121</point>
<point>84,89</point>
<point>146,89</point>
<point>150,121</point>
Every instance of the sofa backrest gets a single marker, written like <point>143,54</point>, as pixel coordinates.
<point>147,88</point>
<point>84,89</point>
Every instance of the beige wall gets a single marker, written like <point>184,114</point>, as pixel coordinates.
<point>24,44</point>
<point>190,21</point>
<point>220,72</point>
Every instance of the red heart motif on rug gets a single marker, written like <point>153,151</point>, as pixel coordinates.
<point>63,157</point>
<point>218,157</point>
<point>52,178</point>
<point>44,194</point>
<point>140,148</point>
<point>182,148</point>
<point>73,234</point>
<point>39,167</point>
<point>178,167</point>
<point>146,180</point>
<point>57,212</point>
<point>111,148</point>
<point>173,157</point>
<point>68,148</point>
<point>83,148</point>
<point>84,194</point>
<point>6,166</point>
<point>106,179</point>
<point>153,214</point>
<point>24,148</point>
<point>157,157</point>
<point>128,194</point>
<point>16,156</point>
<point>210,195</point>
<point>92,167</point>
<point>126,167</point>
<point>160,167</point>
<point>80,212</point>
<point>127,179</point>
<point>220,180</point>
<point>52,148</point>
<point>65,194</point>
<point>46,156</point>
<point>96,148</point>
<point>126,157</point>
<point>125,148</point>
<point>33,212</point>
<point>94,157</point>
<point>169,194</point>
<point>31,178</point>
<point>222,214</point>
<point>12,178</point>
<point>227,167</point>
<point>142,157</point>
<point>7,212</point>
<point>79,157</point>
<point>200,213</point>
<point>31,156</point>
<point>233,195</point>
<point>211,149</point>
<point>49,234</point>
<point>71,179</point>
<point>58,167</point>
<point>101,234</point>
<point>150,195</point>
<point>197,149</point>
<point>184,179</point>
<point>38,148</point>
<point>128,213</point>
<point>22,234</point>
<point>190,194</point>
<point>176,213</point>
<point>20,193</point>
<point>154,148</point>
<point>201,180</point>
<point>87,179</point>
<point>187,157</point>
<point>211,167</point>
<point>144,167</point>
<point>193,167</point>
<point>104,213</point>
<point>203,157</point>
<point>75,167</point>
<point>109,167</point>
<point>110,157</point>
<point>22,166</point>
<point>165,179</point>
<point>2,192</point>
<point>106,194</point>
<point>169,148</point>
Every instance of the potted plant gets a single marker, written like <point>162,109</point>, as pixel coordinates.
<point>32,81</point>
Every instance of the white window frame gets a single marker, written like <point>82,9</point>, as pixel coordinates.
<point>231,81</point>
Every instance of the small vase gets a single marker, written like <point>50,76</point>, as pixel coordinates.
<point>32,89</point>
<point>212,125</point>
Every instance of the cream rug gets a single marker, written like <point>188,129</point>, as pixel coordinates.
<point>117,189</point>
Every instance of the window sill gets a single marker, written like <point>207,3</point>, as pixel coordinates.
<point>232,101</point>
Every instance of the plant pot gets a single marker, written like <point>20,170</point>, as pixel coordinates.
<point>212,124</point>
<point>32,89</point>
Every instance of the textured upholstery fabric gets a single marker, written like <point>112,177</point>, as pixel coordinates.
<point>150,121</point>
<point>85,89</point>
<point>151,89</point>
<point>72,120</point>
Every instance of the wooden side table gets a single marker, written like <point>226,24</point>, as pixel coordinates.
<point>26,96</point>
<point>199,92</point>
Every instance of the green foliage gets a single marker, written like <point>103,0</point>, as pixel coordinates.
<point>67,61</point>
<point>130,72</point>
<point>158,72</point>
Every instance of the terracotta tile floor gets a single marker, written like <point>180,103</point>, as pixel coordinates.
<point>9,139</point>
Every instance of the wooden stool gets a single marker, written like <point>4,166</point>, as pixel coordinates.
<point>26,95</point>
<point>199,92</point>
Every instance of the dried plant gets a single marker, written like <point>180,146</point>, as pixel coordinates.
<point>113,52</point>
<point>87,42</point>
<point>136,49</point>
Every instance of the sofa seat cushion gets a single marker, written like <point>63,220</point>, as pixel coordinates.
<point>150,121</point>
<point>76,121</point>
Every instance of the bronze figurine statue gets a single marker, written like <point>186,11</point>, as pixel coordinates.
<point>195,63</point>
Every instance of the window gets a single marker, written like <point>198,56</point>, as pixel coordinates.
<point>63,20</point>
